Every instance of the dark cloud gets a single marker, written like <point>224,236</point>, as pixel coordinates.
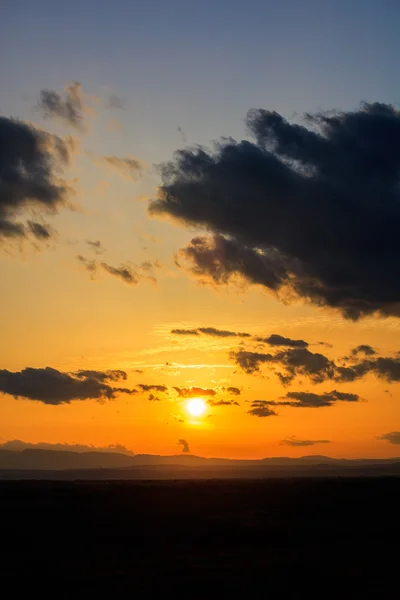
<point>153,398</point>
<point>293,441</point>
<point>152,387</point>
<point>192,392</point>
<point>363,349</point>
<point>222,332</point>
<point>40,231</point>
<point>18,446</point>
<point>184,445</point>
<point>265,408</point>
<point>311,400</point>
<point>124,272</point>
<point>97,246</point>
<point>279,340</point>
<point>393,437</point>
<point>67,107</point>
<point>294,361</point>
<point>30,159</point>
<point>212,402</point>
<point>110,375</point>
<point>313,210</point>
<point>233,390</point>
<point>261,408</point>
<point>51,386</point>
<point>318,368</point>
<point>212,331</point>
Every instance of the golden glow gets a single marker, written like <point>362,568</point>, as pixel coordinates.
<point>196,407</point>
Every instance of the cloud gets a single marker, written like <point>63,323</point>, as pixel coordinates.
<point>311,400</point>
<point>40,231</point>
<point>89,265</point>
<point>97,246</point>
<point>294,361</point>
<point>30,165</point>
<point>153,398</point>
<point>51,386</point>
<point>363,349</point>
<point>212,402</point>
<point>279,340</point>
<point>232,390</point>
<point>261,408</point>
<point>124,272</point>
<point>211,331</point>
<point>316,367</point>
<point>192,392</point>
<point>300,210</point>
<point>293,441</point>
<point>184,332</point>
<point>110,375</point>
<point>68,107</point>
<point>393,437</point>
<point>152,387</point>
<point>131,275</point>
<point>184,445</point>
<point>127,166</point>
<point>19,446</point>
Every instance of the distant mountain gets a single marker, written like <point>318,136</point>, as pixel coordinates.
<point>59,460</point>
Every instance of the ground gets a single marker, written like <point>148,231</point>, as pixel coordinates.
<point>197,539</point>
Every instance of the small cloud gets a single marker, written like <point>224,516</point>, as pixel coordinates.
<point>89,265</point>
<point>184,445</point>
<point>293,441</point>
<point>153,398</point>
<point>67,107</point>
<point>393,437</point>
<point>212,402</point>
<point>39,230</point>
<point>261,408</point>
<point>96,246</point>
<point>127,166</point>
<point>124,272</point>
<point>364,349</point>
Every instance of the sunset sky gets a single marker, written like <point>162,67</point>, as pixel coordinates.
<point>259,265</point>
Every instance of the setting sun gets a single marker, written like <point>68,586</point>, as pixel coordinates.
<point>196,407</point>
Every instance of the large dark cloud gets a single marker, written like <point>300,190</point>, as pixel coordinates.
<point>67,107</point>
<point>393,437</point>
<point>295,442</point>
<point>51,386</point>
<point>295,362</point>
<point>30,160</point>
<point>314,209</point>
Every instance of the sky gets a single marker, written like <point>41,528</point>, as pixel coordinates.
<point>199,200</point>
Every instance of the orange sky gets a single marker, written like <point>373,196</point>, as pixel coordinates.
<point>57,313</point>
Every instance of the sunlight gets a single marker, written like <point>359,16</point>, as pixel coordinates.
<point>196,407</point>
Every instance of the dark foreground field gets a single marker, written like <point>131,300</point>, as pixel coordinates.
<point>328,538</point>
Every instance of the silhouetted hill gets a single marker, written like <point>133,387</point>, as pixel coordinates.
<point>54,464</point>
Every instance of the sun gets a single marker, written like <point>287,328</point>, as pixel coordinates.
<point>196,407</point>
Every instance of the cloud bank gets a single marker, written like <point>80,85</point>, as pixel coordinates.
<point>313,211</point>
